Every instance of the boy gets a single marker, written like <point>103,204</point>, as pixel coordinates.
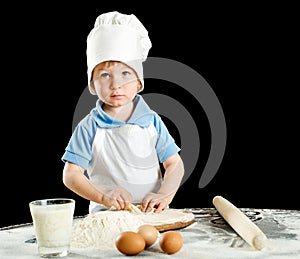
<point>121,142</point>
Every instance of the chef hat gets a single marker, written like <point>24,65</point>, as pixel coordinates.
<point>117,37</point>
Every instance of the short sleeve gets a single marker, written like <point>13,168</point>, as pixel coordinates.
<point>165,146</point>
<point>79,148</point>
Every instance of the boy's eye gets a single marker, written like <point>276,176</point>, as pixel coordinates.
<point>126,73</point>
<point>105,75</point>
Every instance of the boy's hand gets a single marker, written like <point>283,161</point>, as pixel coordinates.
<point>119,198</point>
<point>155,201</point>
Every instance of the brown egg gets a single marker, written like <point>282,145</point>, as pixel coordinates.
<point>130,243</point>
<point>171,242</point>
<point>149,233</point>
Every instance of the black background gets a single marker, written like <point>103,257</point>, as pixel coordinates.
<point>247,54</point>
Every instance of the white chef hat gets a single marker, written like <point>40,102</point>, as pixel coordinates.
<point>117,37</point>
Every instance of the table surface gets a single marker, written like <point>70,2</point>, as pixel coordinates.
<point>209,237</point>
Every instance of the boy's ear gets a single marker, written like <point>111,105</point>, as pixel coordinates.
<point>139,87</point>
<point>92,87</point>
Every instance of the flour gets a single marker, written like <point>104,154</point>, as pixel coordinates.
<point>100,230</point>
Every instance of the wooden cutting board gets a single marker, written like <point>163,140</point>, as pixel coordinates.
<point>169,219</point>
<point>173,226</point>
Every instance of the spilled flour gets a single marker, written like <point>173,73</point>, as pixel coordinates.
<point>100,230</point>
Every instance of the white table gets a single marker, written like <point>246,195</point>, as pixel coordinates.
<point>209,237</point>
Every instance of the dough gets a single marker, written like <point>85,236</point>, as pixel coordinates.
<point>168,219</point>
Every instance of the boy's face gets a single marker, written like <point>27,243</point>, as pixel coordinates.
<point>115,83</point>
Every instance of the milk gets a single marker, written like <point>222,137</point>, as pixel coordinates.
<point>52,220</point>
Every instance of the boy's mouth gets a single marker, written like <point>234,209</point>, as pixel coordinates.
<point>116,95</point>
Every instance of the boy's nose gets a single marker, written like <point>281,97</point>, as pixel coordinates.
<point>116,83</point>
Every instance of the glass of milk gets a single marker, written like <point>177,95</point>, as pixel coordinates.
<point>53,222</point>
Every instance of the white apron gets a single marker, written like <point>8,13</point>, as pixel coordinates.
<point>125,156</point>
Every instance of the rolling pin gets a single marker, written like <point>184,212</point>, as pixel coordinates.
<point>243,226</point>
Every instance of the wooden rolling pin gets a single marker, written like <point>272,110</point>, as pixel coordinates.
<point>243,226</point>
